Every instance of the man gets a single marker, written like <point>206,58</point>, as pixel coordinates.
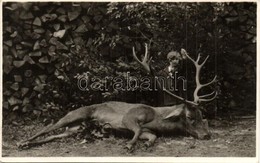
<point>172,78</point>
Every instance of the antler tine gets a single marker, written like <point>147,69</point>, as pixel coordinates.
<point>198,59</point>
<point>190,58</point>
<point>135,57</point>
<point>210,99</point>
<point>210,94</point>
<point>212,81</point>
<point>146,60</point>
<point>180,98</point>
<point>146,55</point>
<point>204,61</point>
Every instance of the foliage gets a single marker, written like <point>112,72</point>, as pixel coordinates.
<point>49,46</point>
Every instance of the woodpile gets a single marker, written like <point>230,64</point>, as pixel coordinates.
<point>36,36</point>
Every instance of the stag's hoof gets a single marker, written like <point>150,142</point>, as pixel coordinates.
<point>129,148</point>
<point>23,145</point>
<point>148,144</point>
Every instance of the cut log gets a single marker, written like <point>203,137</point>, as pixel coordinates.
<point>62,18</point>
<point>18,78</point>
<point>53,41</point>
<point>41,66</point>
<point>28,59</point>
<point>90,41</point>
<point>8,29</point>
<point>48,17</point>
<point>36,45</point>
<point>5,105</point>
<point>15,86</point>
<point>8,43</point>
<point>7,93</point>
<point>14,34</point>
<point>18,64</point>
<point>18,47</point>
<point>81,29</point>
<point>14,109</point>
<point>27,5</point>
<point>5,49</point>
<point>29,22</point>
<point>51,50</point>
<point>11,8</point>
<point>39,30</point>
<point>48,35</point>
<point>73,15</point>
<point>26,101</point>
<point>59,33</point>
<point>85,19</point>
<point>7,62</point>
<point>53,58</point>
<point>21,53</point>
<point>35,36</point>
<point>61,46</point>
<point>56,26</point>
<point>43,43</point>
<point>44,60</point>
<point>37,21</point>
<point>35,54</point>
<point>24,91</point>
<point>27,44</point>
<point>68,41</point>
<point>39,88</point>
<point>36,8</point>
<point>24,15</point>
<point>61,10</point>
<point>78,40</point>
<point>14,101</point>
<point>43,78</point>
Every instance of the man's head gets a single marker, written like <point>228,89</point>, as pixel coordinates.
<point>174,58</point>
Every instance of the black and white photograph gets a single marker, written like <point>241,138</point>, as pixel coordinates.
<point>129,79</point>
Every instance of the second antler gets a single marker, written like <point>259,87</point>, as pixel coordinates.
<point>200,98</point>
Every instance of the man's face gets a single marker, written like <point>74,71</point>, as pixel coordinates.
<point>174,61</point>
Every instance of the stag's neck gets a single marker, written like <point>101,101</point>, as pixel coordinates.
<point>167,109</point>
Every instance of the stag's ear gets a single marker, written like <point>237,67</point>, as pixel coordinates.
<point>175,114</point>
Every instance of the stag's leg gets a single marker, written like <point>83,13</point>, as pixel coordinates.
<point>132,125</point>
<point>70,131</point>
<point>148,136</point>
<point>73,116</point>
<point>134,119</point>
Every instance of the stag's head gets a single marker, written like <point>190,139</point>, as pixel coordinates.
<point>196,125</point>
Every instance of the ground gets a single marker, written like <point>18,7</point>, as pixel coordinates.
<point>236,138</point>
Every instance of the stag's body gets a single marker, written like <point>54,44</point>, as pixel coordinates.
<point>143,120</point>
<point>117,114</point>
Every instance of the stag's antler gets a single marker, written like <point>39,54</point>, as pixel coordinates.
<point>146,60</point>
<point>199,86</point>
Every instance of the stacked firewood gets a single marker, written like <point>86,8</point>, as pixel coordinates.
<point>36,39</point>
